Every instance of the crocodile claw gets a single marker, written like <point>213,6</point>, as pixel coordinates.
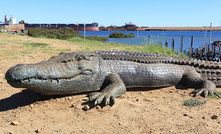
<point>92,96</point>
<point>98,98</point>
<point>205,91</point>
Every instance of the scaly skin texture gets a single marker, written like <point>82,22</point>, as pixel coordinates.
<point>107,74</point>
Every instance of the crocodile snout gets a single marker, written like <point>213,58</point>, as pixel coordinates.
<point>20,72</point>
<point>16,74</point>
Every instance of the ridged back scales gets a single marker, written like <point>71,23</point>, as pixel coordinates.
<point>208,69</point>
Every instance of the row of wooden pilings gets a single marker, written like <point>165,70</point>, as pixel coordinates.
<point>211,52</point>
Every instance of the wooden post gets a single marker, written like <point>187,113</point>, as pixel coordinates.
<point>181,45</point>
<point>219,53</point>
<point>191,45</point>
<point>190,52</point>
<point>210,33</point>
<point>166,44</point>
<point>192,41</point>
<point>213,52</point>
<point>149,40</point>
<point>173,43</point>
<point>196,53</point>
<point>207,50</point>
<point>201,52</point>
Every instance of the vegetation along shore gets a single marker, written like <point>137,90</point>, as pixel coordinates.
<point>46,44</point>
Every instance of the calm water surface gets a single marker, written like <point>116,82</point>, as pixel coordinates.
<point>150,37</point>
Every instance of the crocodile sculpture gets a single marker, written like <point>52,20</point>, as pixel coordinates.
<point>107,74</point>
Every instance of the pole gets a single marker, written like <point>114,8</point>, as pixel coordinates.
<point>138,32</point>
<point>213,52</point>
<point>191,47</point>
<point>181,46</point>
<point>192,41</point>
<point>84,32</point>
<point>166,44</point>
<point>219,53</point>
<point>210,32</point>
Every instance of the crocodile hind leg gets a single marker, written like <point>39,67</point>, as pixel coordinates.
<point>114,87</point>
<point>192,79</point>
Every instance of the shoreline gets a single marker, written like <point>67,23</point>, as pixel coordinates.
<point>179,28</point>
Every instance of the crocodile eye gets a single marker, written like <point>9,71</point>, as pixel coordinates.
<point>80,57</point>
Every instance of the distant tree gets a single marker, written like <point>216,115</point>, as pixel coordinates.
<point>121,35</point>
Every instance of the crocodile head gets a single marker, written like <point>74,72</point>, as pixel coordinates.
<point>66,73</point>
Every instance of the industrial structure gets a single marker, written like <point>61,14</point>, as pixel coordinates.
<point>76,27</point>
<point>11,26</point>
<point>126,27</point>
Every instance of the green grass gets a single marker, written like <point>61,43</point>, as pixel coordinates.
<point>41,45</point>
<point>215,96</point>
<point>90,45</point>
<point>2,43</point>
<point>28,46</point>
<point>63,50</point>
<point>8,53</point>
<point>193,102</point>
<point>45,48</point>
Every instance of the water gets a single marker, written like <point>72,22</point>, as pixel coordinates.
<point>150,37</point>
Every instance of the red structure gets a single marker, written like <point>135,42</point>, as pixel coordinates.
<point>6,18</point>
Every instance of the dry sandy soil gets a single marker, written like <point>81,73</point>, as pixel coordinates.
<point>23,111</point>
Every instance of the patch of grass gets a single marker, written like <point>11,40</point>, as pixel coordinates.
<point>76,39</point>
<point>193,102</point>
<point>97,38</point>
<point>28,45</point>
<point>42,45</point>
<point>22,34</point>
<point>8,53</point>
<point>91,45</point>
<point>26,52</point>
<point>31,47</point>
<point>215,96</point>
<point>2,43</point>
<point>84,41</point>
<point>63,50</point>
<point>47,49</point>
<point>159,49</point>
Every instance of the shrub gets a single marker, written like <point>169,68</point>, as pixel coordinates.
<point>121,35</point>
<point>193,102</point>
<point>63,33</point>
<point>131,35</point>
<point>66,33</point>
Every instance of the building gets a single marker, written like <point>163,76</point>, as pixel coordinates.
<point>11,26</point>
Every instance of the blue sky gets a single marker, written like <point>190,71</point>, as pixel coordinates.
<point>115,12</point>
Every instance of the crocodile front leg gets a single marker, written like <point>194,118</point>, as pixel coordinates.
<point>192,79</point>
<point>114,87</point>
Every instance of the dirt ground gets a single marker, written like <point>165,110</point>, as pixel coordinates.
<point>140,110</point>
